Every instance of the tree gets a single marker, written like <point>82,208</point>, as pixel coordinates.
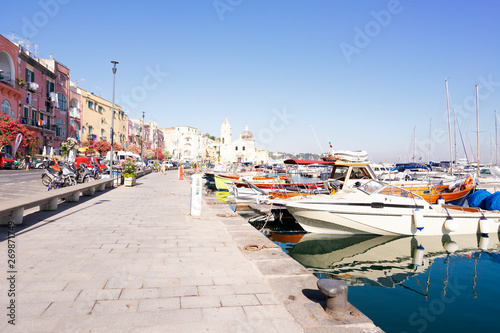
<point>102,147</point>
<point>90,145</point>
<point>136,149</point>
<point>149,154</point>
<point>117,147</point>
<point>9,130</point>
<point>166,153</point>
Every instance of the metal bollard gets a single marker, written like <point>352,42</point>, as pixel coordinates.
<point>336,295</point>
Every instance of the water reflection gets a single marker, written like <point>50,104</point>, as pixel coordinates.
<point>383,261</point>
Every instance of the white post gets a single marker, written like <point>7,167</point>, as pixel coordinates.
<point>196,193</point>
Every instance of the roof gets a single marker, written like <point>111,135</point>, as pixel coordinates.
<point>306,162</point>
<point>337,162</point>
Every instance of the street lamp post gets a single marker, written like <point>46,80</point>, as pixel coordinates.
<point>142,134</point>
<point>112,120</point>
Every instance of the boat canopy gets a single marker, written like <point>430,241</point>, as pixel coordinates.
<point>306,162</point>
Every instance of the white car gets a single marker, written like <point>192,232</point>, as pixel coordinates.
<point>169,165</point>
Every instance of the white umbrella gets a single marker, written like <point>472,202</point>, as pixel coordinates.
<point>44,151</point>
<point>71,156</point>
<point>51,152</point>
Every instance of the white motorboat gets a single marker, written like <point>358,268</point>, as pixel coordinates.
<point>382,209</point>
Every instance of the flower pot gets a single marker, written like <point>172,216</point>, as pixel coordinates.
<point>129,181</point>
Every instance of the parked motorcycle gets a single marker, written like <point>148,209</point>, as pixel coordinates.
<point>83,174</point>
<point>62,177</point>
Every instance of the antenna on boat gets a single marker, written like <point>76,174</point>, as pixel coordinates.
<point>317,139</point>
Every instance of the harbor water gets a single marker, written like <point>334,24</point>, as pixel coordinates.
<point>406,284</point>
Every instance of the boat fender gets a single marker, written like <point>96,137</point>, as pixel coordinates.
<point>451,246</point>
<point>418,219</point>
<point>418,256</point>
<point>484,226</point>
<point>441,201</point>
<point>450,224</point>
<point>483,243</point>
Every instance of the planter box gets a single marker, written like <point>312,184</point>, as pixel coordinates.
<point>129,181</point>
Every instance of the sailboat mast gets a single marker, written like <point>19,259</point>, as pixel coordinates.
<point>449,123</point>
<point>430,142</point>
<point>477,128</point>
<point>455,134</point>
<point>414,142</point>
<point>496,139</point>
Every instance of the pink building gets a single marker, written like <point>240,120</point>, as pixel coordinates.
<point>75,112</point>
<point>38,99</point>
<point>9,88</point>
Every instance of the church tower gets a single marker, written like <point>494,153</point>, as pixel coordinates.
<point>225,140</point>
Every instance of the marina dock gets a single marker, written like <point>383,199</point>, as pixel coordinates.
<point>132,259</point>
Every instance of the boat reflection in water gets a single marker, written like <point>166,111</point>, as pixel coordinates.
<point>383,261</point>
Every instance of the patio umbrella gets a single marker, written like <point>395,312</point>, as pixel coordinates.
<point>44,151</point>
<point>71,156</point>
<point>51,152</point>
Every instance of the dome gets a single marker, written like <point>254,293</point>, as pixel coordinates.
<point>247,135</point>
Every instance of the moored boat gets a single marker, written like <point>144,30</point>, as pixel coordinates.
<point>383,209</point>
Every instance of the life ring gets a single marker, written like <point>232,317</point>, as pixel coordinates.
<point>460,170</point>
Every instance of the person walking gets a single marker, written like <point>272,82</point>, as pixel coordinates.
<point>163,167</point>
<point>27,162</point>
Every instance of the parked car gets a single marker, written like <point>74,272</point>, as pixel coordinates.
<point>39,161</point>
<point>90,161</point>
<point>6,161</point>
<point>169,165</point>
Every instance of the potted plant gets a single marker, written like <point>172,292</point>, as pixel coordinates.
<point>20,81</point>
<point>129,172</point>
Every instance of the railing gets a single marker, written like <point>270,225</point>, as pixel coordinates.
<point>13,210</point>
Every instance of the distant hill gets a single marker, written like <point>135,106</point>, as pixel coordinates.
<point>296,156</point>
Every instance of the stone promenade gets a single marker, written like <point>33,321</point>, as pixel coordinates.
<point>132,259</point>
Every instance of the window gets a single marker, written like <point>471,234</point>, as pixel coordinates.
<point>222,140</point>
<point>30,76</point>
<point>50,87</point>
<point>58,127</point>
<point>83,130</point>
<point>236,148</point>
<point>33,115</point>
<point>6,108</point>
<point>90,129</point>
<point>61,99</point>
<point>26,112</point>
<point>48,122</point>
<point>103,133</point>
<point>243,148</point>
<point>100,109</point>
<point>90,104</point>
<point>62,79</point>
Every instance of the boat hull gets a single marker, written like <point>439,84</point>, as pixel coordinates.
<point>391,222</point>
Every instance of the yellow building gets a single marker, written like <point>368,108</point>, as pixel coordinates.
<point>96,120</point>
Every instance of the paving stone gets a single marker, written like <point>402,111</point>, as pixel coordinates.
<point>114,306</point>
<point>192,302</point>
<point>182,316</point>
<point>239,300</point>
<point>98,294</point>
<point>158,304</point>
<point>224,314</point>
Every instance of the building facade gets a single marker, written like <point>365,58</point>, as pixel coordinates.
<point>240,150</point>
<point>97,120</point>
<point>184,143</point>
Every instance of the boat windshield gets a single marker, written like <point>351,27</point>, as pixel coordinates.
<point>381,188</point>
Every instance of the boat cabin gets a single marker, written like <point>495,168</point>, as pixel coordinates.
<point>346,172</point>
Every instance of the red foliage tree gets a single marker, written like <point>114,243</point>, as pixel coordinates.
<point>159,153</point>
<point>90,145</point>
<point>117,147</point>
<point>9,129</point>
<point>102,147</point>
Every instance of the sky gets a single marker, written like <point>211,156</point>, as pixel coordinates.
<point>361,75</point>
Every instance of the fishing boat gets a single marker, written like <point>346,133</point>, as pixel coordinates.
<point>382,209</point>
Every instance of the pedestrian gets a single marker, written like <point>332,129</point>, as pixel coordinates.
<point>163,167</point>
<point>27,162</point>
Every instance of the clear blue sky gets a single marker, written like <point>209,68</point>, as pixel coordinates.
<point>361,74</point>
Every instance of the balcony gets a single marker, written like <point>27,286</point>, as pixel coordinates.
<point>32,86</point>
<point>103,138</point>
<point>75,112</point>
